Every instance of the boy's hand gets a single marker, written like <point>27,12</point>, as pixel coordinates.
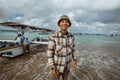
<point>74,65</point>
<point>55,72</point>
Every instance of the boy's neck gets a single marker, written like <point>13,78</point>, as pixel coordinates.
<point>64,32</point>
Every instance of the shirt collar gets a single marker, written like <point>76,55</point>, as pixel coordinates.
<point>61,35</point>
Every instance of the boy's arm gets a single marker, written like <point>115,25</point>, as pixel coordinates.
<point>73,54</point>
<point>50,52</point>
<point>74,63</point>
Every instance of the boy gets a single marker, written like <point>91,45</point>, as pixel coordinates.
<point>61,50</point>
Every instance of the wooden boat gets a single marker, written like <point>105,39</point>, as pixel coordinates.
<point>38,40</point>
<point>18,50</point>
<point>11,51</point>
<point>14,51</point>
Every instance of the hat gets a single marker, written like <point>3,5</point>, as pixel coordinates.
<point>62,18</point>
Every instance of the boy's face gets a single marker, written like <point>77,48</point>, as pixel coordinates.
<point>64,24</point>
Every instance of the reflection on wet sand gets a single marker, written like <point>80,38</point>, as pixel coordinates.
<point>97,63</point>
<point>94,63</point>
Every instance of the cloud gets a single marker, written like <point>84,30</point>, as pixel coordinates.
<point>85,15</point>
<point>89,4</point>
<point>19,19</point>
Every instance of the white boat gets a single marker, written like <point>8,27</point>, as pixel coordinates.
<point>7,41</point>
<point>15,51</point>
<point>11,52</point>
<point>39,42</point>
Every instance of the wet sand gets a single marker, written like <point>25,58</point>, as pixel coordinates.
<point>25,67</point>
<point>94,63</point>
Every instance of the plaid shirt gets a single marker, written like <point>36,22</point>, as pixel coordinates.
<point>61,50</point>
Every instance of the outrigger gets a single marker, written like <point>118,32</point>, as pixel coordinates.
<point>14,51</point>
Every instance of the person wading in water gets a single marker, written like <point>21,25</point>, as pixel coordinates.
<point>61,51</point>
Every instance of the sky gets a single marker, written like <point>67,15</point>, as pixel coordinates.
<point>87,16</point>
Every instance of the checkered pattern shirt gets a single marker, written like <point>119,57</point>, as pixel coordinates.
<point>61,50</point>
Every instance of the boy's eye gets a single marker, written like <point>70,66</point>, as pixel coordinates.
<point>64,21</point>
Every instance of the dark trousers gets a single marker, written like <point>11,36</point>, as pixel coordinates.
<point>26,48</point>
<point>64,75</point>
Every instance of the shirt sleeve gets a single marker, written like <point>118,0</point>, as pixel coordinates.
<point>50,52</point>
<point>74,54</point>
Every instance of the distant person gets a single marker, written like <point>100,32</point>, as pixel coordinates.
<point>61,51</point>
<point>26,45</point>
<point>18,40</point>
<point>22,38</point>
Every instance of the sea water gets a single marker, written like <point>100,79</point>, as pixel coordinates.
<point>98,58</point>
<point>30,35</point>
<point>97,40</point>
<point>79,39</point>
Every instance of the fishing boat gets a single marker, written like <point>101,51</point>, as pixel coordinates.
<point>39,40</point>
<point>11,52</point>
<point>14,51</point>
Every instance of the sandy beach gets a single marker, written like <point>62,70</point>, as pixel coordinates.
<point>95,62</point>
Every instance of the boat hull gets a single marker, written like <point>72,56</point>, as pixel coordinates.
<point>12,52</point>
